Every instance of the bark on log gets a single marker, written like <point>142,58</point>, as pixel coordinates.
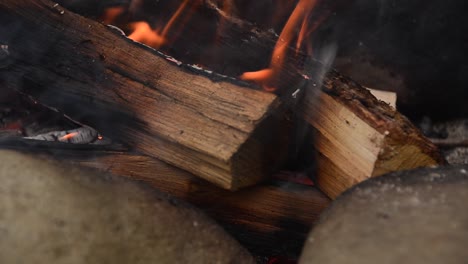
<point>358,136</point>
<point>215,130</point>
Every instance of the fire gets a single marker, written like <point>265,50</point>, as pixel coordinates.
<point>266,75</point>
<point>299,17</point>
<point>174,17</point>
<point>111,14</point>
<point>68,136</point>
<point>142,32</point>
<point>295,32</point>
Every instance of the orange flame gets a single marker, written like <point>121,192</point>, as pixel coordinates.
<point>142,31</point>
<point>174,18</point>
<point>297,28</point>
<point>298,17</point>
<point>68,136</point>
<point>111,14</point>
<point>183,20</point>
<point>302,35</point>
<point>264,76</point>
<point>309,29</point>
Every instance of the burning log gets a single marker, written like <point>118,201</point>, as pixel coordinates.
<point>357,136</point>
<point>219,131</point>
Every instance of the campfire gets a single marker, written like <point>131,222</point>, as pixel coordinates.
<point>202,100</point>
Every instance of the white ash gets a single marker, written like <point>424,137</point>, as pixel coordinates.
<point>4,50</point>
<point>294,95</point>
<point>171,59</point>
<point>82,135</point>
<point>119,30</point>
<point>456,155</point>
<point>451,136</point>
<point>58,9</point>
<point>4,56</point>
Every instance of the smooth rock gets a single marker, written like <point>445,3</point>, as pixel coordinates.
<point>418,216</point>
<point>52,213</point>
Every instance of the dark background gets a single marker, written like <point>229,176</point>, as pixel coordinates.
<point>417,48</point>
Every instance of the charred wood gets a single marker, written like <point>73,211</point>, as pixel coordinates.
<point>216,130</point>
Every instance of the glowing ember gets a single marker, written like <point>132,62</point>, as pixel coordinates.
<point>68,136</point>
<point>298,17</point>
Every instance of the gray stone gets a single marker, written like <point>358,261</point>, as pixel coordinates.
<point>51,213</point>
<point>418,216</point>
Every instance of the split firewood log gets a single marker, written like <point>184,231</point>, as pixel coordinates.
<point>214,129</point>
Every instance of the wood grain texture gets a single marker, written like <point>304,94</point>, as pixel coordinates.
<point>359,137</point>
<point>216,130</point>
<point>356,135</point>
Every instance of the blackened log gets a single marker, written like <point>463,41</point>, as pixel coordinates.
<point>216,130</point>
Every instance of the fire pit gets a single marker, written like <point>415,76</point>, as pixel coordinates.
<point>203,100</point>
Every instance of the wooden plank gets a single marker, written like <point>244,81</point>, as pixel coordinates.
<point>215,130</point>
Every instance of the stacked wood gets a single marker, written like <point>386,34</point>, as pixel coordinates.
<point>215,130</point>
